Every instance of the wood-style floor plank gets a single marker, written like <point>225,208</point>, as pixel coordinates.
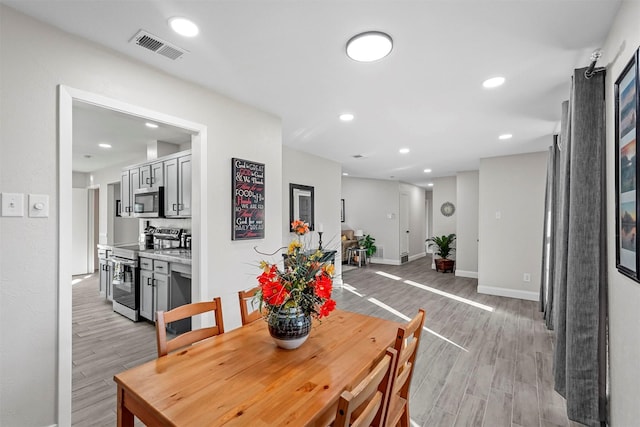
<point>476,366</point>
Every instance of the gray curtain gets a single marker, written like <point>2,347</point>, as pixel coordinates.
<point>580,262</point>
<point>548,240</point>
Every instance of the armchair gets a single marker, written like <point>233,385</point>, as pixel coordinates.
<point>348,240</point>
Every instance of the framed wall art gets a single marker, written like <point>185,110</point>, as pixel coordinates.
<point>247,200</point>
<point>341,210</point>
<point>301,204</point>
<point>627,206</point>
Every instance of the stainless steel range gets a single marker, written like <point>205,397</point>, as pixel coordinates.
<point>126,286</point>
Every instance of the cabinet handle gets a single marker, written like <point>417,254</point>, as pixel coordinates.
<point>180,206</point>
<point>175,206</point>
<point>146,180</point>
<point>154,283</point>
<point>149,281</point>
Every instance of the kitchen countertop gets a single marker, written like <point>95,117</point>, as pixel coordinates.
<point>182,256</point>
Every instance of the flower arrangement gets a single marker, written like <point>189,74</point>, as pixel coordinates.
<point>305,282</point>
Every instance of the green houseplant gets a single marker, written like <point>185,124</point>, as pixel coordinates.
<point>444,247</point>
<point>368,243</point>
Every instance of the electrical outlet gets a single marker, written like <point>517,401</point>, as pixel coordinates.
<point>526,277</point>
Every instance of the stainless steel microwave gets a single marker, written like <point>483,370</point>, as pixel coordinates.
<point>148,202</point>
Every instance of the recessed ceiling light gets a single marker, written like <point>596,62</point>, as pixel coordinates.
<point>404,150</point>
<point>493,82</point>
<point>183,26</point>
<point>104,145</point>
<point>346,117</point>
<point>505,136</point>
<point>151,125</point>
<point>345,174</point>
<point>369,46</point>
<point>430,184</point>
<point>427,171</point>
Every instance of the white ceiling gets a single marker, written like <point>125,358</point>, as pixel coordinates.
<point>288,57</point>
<point>127,135</point>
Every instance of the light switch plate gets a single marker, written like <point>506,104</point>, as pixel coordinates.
<point>38,205</point>
<point>12,204</point>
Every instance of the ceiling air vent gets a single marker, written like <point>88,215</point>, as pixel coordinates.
<point>155,44</point>
<point>358,156</point>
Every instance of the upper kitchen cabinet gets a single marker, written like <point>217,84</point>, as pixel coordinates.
<point>129,183</point>
<point>177,191</point>
<point>152,175</point>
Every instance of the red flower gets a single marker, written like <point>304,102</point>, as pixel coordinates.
<point>274,293</point>
<point>327,308</point>
<point>323,286</point>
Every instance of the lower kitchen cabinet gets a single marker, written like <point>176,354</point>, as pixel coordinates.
<point>106,276</point>
<point>154,291</point>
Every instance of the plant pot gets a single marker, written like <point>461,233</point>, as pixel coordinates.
<point>289,328</point>
<point>444,265</point>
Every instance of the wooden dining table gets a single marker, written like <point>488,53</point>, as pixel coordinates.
<point>241,378</point>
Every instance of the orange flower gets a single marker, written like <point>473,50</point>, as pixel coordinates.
<point>300,227</point>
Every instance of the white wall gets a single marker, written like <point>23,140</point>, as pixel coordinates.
<point>80,235</point>
<point>624,294</point>
<point>514,187</point>
<point>36,58</point>
<point>444,190</point>
<point>325,177</point>
<point>467,193</point>
<point>372,205</point>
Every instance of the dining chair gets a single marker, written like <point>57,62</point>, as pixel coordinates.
<point>187,338</point>
<point>365,404</point>
<point>249,308</point>
<point>407,341</point>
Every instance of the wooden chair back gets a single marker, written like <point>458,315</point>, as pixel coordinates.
<point>249,307</point>
<point>407,341</point>
<point>364,406</point>
<point>188,338</point>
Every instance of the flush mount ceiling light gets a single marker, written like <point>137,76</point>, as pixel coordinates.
<point>493,82</point>
<point>430,184</point>
<point>345,174</point>
<point>183,26</point>
<point>151,125</point>
<point>346,117</point>
<point>404,150</point>
<point>505,136</point>
<point>369,46</point>
<point>104,145</point>
<point>427,171</point>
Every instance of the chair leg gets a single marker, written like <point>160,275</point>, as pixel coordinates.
<point>405,420</point>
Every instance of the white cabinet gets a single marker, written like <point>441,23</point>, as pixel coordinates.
<point>129,183</point>
<point>152,175</point>
<point>154,287</point>
<point>177,187</point>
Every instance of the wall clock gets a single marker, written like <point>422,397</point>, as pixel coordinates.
<point>447,209</point>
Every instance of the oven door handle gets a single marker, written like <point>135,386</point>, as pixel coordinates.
<point>124,261</point>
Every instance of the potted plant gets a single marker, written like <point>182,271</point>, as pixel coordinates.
<point>443,245</point>
<point>368,243</point>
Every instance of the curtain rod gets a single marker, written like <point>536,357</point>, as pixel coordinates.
<point>591,70</point>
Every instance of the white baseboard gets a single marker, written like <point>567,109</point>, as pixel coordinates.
<point>417,256</point>
<point>337,282</point>
<point>511,293</point>
<point>384,261</point>
<point>469,274</point>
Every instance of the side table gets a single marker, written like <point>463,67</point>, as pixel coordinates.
<point>360,252</point>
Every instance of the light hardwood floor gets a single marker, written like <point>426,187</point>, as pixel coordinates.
<point>487,364</point>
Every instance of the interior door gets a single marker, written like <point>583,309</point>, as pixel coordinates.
<point>80,232</point>
<point>404,224</point>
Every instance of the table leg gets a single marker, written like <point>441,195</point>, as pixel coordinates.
<point>125,417</point>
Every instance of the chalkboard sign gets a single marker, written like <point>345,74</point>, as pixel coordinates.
<point>247,202</point>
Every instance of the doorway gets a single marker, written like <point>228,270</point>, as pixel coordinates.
<point>66,98</point>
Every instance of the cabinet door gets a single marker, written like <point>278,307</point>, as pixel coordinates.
<point>184,186</point>
<point>102,286</point>
<point>109,285</point>
<point>157,174</point>
<point>125,194</point>
<point>146,294</point>
<point>134,177</point>
<point>161,289</point>
<point>145,176</point>
<point>171,187</point>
